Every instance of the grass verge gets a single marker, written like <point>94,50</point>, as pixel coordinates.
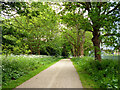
<point>43,64</point>
<point>95,74</point>
<point>84,77</point>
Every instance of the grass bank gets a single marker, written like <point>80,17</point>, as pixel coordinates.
<point>97,75</point>
<point>18,69</point>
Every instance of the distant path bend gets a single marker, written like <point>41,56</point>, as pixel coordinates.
<point>60,75</point>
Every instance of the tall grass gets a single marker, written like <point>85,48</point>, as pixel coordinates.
<point>14,67</point>
<point>104,73</point>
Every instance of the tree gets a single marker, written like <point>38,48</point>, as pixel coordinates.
<point>12,40</point>
<point>101,15</point>
<point>78,26</point>
<point>39,24</point>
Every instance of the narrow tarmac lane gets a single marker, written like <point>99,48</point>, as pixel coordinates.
<point>60,75</point>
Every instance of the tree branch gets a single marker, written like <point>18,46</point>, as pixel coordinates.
<point>71,37</point>
<point>104,12</point>
<point>15,26</point>
<point>118,5</point>
<point>82,4</point>
<point>109,34</point>
<point>88,47</point>
<point>19,22</point>
<point>70,41</point>
<point>89,30</point>
<point>83,37</point>
<point>87,6</point>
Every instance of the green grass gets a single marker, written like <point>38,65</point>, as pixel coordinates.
<point>85,79</point>
<point>17,70</point>
<point>94,74</point>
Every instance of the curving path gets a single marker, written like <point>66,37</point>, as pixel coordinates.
<point>60,75</point>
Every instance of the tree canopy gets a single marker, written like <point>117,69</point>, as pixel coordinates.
<point>79,27</point>
<point>103,18</point>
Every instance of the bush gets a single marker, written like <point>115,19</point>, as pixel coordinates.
<point>104,73</point>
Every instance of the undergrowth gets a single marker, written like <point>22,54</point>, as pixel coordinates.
<point>104,73</point>
<point>15,67</point>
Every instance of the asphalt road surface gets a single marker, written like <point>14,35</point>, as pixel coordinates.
<point>60,75</point>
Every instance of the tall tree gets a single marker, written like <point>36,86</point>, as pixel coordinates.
<point>101,15</point>
<point>39,24</point>
<point>78,26</point>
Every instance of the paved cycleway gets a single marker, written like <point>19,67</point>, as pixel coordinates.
<point>60,75</point>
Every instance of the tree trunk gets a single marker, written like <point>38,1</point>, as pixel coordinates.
<point>96,43</point>
<point>38,49</point>
<point>74,51</point>
<point>38,52</point>
<point>78,51</point>
<point>78,42</point>
<point>82,43</point>
<point>81,50</point>
<point>38,46</point>
<point>31,50</point>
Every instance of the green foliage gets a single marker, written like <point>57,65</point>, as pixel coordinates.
<point>34,29</point>
<point>88,45</point>
<point>14,67</point>
<point>75,33</point>
<point>104,73</point>
<point>12,39</point>
<point>76,20</point>
<point>102,17</point>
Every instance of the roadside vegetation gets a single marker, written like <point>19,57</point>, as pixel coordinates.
<point>18,69</point>
<point>95,74</point>
<point>68,29</point>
